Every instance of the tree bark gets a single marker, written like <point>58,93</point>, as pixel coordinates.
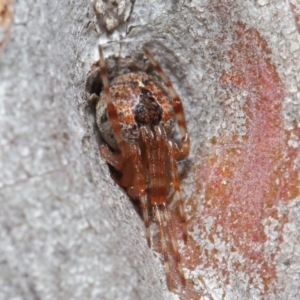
<point>67,230</point>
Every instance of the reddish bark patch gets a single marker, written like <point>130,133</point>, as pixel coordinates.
<point>243,177</point>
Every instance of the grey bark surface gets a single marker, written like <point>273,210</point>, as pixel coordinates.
<point>67,231</point>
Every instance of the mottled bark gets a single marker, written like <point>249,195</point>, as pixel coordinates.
<point>68,232</point>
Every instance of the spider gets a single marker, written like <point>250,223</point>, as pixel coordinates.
<point>136,116</point>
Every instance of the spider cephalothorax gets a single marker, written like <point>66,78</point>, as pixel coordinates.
<point>136,116</point>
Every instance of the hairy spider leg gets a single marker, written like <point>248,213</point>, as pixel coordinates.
<point>160,162</point>
<point>114,159</point>
<point>111,109</point>
<point>151,157</point>
<point>155,165</point>
<point>176,185</point>
<point>162,139</point>
<point>169,225</point>
<point>156,180</point>
<point>177,106</point>
<point>159,221</point>
<point>155,147</point>
<point>118,162</point>
<point>141,187</point>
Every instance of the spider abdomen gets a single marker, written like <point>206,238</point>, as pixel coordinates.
<point>139,101</point>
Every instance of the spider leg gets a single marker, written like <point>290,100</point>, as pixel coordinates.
<point>141,187</point>
<point>163,243</point>
<point>111,109</point>
<point>160,163</point>
<point>156,160</point>
<point>111,158</point>
<point>169,225</point>
<point>177,105</point>
<point>156,151</point>
<point>172,155</point>
<point>176,185</point>
<point>155,167</point>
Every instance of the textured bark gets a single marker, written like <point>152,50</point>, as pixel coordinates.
<point>67,231</point>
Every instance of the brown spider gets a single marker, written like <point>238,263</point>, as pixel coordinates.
<point>136,116</point>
